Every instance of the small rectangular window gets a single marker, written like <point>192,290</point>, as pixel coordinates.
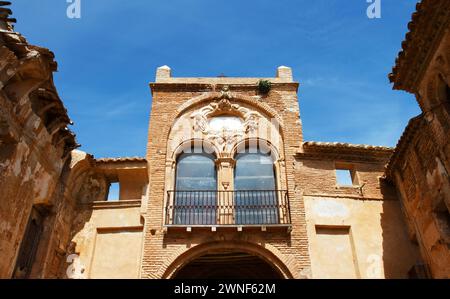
<point>114,192</point>
<point>346,175</point>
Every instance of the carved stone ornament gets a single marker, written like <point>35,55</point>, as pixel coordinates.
<point>225,139</point>
<point>225,93</point>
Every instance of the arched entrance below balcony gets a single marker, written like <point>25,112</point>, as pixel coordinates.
<point>228,260</point>
<point>228,265</point>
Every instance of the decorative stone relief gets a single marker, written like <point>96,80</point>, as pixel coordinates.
<point>225,138</point>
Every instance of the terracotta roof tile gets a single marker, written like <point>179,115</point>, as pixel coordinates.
<point>426,28</point>
<point>120,159</point>
<point>346,145</point>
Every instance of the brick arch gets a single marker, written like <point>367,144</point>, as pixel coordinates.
<point>268,253</point>
<point>210,96</point>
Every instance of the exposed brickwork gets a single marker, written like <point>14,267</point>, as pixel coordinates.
<point>282,104</point>
<point>316,171</point>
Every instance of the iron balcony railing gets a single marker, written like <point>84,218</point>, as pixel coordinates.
<point>217,208</point>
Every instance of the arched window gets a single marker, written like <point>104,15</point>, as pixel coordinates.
<point>256,198</point>
<point>195,196</point>
<point>196,171</point>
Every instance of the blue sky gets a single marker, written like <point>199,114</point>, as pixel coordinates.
<point>107,58</point>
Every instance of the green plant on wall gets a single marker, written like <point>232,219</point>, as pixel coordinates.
<point>264,86</point>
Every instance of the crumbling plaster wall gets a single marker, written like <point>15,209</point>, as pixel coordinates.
<point>34,143</point>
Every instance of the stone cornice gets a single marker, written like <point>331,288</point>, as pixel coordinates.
<point>120,204</point>
<point>426,29</point>
<point>6,22</point>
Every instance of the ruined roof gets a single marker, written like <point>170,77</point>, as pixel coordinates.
<point>23,61</point>
<point>426,29</point>
<point>121,159</point>
<point>339,145</point>
<point>402,145</point>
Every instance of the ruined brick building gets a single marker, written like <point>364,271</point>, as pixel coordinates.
<point>228,187</point>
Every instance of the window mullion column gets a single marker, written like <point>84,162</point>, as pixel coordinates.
<point>225,198</point>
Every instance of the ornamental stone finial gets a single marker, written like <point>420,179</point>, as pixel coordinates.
<point>284,72</point>
<point>163,72</point>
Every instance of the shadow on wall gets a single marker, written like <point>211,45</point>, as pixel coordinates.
<point>84,187</point>
<point>400,254</point>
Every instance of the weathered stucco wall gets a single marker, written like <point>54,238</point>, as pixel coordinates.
<point>357,238</point>
<point>109,243</point>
